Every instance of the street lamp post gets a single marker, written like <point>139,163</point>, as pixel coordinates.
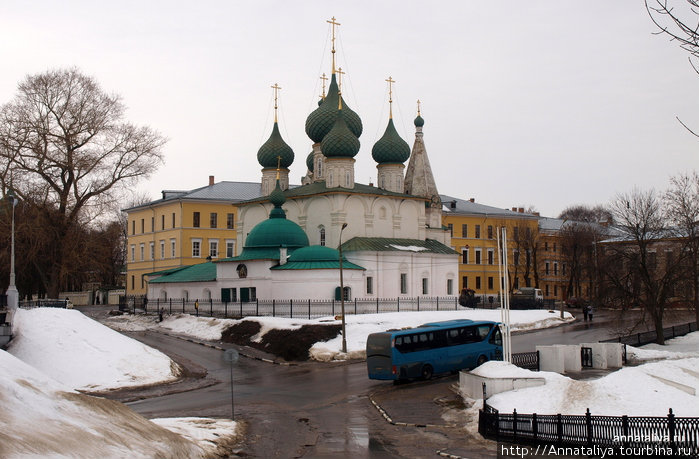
<point>12,294</point>
<point>342,293</point>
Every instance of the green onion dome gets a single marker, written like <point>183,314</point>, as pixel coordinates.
<point>419,122</point>
<point>390,148</point>
<point>276,231</point>
<point>309,161</point>
<point>273,148</point>
<point>340,142</point>
<point>321,120</point>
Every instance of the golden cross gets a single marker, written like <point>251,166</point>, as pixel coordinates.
<point>276,88</point>
<point>279,162</point>
<point>332,21</point>
<point>339,86</point>
<point>390,96</point>
<point>418,107</point>
<point>324,78</point>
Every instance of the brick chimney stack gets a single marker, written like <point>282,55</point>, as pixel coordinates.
<point>211,180</point>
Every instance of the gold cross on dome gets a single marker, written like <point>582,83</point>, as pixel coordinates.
<point>334,23</point>
<point>324,79</point>
<point>339,87</point>
<point>418,107</point>
<point>390,96</point>
<point>276,88</point>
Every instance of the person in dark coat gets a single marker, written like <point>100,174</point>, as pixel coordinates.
<point>589,311</point>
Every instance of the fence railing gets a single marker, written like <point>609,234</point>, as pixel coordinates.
<point>308,309</point>
<point>639,339</point>
<point>527,360</point>
<point>652,436</point>
<point>43,303</point>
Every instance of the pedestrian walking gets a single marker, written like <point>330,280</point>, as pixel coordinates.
<point>584,308</point>
<point>196,307</point>
<point>160,314</point>
<point>589,312</point>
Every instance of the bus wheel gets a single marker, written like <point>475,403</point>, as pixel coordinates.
<point>481,360</point>
<point>427,372</point>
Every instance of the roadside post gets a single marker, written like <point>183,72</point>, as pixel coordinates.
<point>231,356</point>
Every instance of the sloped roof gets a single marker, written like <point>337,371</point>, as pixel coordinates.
<point>316,257</point>
<point>452,205</point>
<point>203,272</point>
<point>382,244</point>
<point>317,265</point>
<point>320,188</point>
<point>221,191</point>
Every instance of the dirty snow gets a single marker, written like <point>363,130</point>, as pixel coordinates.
<point>37,392</point>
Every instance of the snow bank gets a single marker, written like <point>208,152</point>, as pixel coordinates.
<point>633,391</point>
<point>84,354</point>
<point>41,417</point>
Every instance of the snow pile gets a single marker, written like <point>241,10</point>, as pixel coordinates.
<point>677,348</point>
<point>84,354</point>
<point>43,418</point>
<point>650,389</point>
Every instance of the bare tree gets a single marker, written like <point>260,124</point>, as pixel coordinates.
<point>583,213</point>
<point>679,19</point>
<point>641,267</point>
<point>682,200</point>
<point>65,148</point>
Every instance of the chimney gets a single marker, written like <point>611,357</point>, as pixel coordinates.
<point>211,180</point>
<point>520,210</point>
<point>537,214</point>
<point>472,200</point>
<point>453,204</point>
<point>514,209</point>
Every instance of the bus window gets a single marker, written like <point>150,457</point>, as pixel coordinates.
<point>496,339</point>
<point>483,331</point>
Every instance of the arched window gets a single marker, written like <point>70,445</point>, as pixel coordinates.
<point>322,235</point>
<point>185,295</point>
<point>207,294</point>
<point>163,295</point>
<point>319,167</point>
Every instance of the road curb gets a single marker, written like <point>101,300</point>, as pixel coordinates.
<point>397,423</point>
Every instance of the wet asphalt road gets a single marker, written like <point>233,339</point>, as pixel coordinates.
<point>319,410</point>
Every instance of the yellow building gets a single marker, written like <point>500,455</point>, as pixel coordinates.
<point>183,228</point>
<point>553,270</point>
<point>473,228</point>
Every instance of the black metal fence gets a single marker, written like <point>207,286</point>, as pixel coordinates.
<point>44,303</point>
<point>639,339</point>
<point>658,436</point>
<point>527,360</point>
<point>307,309</point>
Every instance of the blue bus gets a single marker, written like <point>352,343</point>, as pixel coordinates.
<point>432,348</point>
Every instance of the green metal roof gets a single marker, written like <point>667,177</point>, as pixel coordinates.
<point>203,272</point>
<point>317,265</point>
<point>380,244</point>
<point>317,257</point>
<point>255,253</point>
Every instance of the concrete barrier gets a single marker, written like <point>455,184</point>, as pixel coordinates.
<point>572,362</point>
<point>551,358</point>
<point>471,385</point>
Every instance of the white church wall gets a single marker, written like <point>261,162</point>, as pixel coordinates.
<point>315,284</point>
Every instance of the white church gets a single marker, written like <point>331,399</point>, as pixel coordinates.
<point>391,236</point>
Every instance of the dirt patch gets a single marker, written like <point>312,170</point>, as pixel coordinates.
<point>241,333</point>
<point>291,345</point>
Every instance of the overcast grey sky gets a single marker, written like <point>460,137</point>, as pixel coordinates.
<point>542,103</point>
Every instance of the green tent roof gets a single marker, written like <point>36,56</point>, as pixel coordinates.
<point>203,272</point>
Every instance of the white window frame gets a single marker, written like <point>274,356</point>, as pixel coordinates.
<point>230,248</point>
<point>213,248</point>
<point>152,250</point>
<point>142,246</point>
<point>162,249</point>
<point>133,252</point>
<point>173,248</point>
<point>196,243</point>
